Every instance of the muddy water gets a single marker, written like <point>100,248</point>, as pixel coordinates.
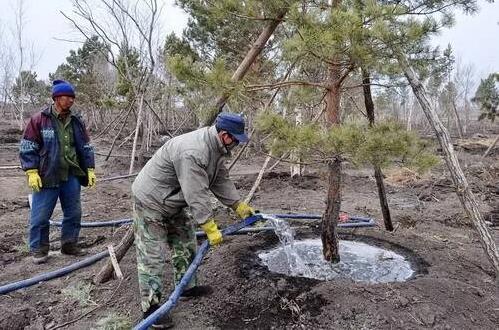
<point>360,262</point>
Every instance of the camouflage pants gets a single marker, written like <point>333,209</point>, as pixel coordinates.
<point>153,232</point>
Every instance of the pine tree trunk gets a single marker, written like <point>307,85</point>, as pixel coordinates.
<point>463,189</point>
<point>248,60</point>
<point>330,248</point>
<point>368,100</point>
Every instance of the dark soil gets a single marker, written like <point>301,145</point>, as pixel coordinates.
<point>453,287</point>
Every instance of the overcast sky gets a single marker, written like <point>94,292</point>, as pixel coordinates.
<point>475,39</point>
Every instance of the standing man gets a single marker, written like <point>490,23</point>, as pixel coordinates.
<point>181,174</point>
<point>58,158</point>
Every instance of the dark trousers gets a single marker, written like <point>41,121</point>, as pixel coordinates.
<point>42,207</point>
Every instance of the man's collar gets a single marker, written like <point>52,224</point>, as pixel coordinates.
<point>53,110</point>
<point>217,141</point>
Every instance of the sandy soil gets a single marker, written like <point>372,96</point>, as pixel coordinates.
<point>454,286</point>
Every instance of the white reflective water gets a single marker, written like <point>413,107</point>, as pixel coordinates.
<point>295,265</point>
<point>360,262</point>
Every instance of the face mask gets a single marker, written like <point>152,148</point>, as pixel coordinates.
<point>231,146</point>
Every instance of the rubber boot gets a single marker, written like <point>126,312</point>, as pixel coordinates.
<point>164,322</point>
<point>72,249</point>
<point>40,256</point>
<point>197,291</point>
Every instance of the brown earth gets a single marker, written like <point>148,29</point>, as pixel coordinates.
<point>454,287</point>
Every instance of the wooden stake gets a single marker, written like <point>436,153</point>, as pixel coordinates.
<point>114,261</point>
<point>107,270</point>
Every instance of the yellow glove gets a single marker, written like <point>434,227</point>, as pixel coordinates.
<point>91,177</point>
<point>211,230</point>
<point>243,210</point>
<point>34,180</point>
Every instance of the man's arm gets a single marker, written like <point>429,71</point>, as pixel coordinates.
<point>30,145</point>
<point>223,188</point>
<point>194,182</point>
<point>88,149</point>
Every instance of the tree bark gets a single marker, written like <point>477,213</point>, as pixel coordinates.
<point>330,248</point>
<point>378,174</point>
<point>248,60</point>
<point>463,189</point>
<point>329,236</point>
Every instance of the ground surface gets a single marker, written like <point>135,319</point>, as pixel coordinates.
<point>454,287</point>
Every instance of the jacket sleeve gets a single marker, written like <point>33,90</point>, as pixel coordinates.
<point>88,148</point>
<point>194,182</point>
<point>223,188</point>
<point>31,142</point>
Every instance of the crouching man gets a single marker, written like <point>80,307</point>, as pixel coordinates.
<point>181,174</point>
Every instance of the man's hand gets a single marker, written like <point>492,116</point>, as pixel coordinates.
<point>91,177</point>
<point>34,180</point>
<point>243,210</point>
<point>211,230</point>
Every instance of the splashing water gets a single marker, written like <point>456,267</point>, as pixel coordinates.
<point>295,264</point>
<point>360,262</point>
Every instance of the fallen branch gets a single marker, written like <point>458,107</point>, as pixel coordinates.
<point>10,167</point>
<point>118,177</point>
<point>491,147</point>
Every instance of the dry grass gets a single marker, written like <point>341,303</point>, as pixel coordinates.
<point>114,321</point>
<point>402,176</point>
<point>81,292</point>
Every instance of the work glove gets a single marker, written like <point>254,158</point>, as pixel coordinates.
<point>91,177</point>
<point>211,230</point>
<point>243,210</point>
<point>34,180</point>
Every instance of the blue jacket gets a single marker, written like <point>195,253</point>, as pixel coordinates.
<point>40,148</point>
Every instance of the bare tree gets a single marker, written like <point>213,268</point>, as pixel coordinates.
<point>125,26</point>
<point>464,79</point>
<point>463,189</point>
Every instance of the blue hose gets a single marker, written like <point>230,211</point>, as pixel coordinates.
<point>110,223</point>
<point>175,296</point>
<point>54,274</point>
<point>231,230</point>
<point>354,221</point>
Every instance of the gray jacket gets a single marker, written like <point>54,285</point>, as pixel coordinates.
<point>182,172</point>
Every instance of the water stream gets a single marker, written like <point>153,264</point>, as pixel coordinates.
<point>286,235</point>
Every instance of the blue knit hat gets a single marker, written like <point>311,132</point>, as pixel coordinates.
<point>232,123</point>
<point>62,88</point>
